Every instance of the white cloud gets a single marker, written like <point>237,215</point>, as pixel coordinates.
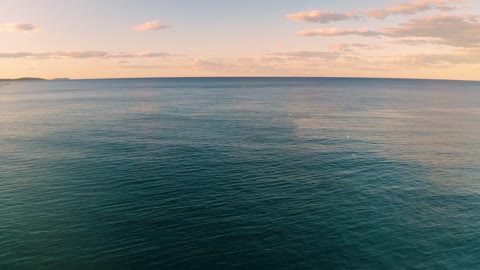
<point>17,27</point>
<point>150,26</point>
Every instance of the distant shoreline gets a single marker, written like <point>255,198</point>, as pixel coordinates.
<point>22,79</point>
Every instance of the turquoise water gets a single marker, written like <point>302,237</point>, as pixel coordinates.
<point>219,173</point>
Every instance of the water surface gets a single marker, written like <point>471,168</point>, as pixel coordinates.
<point>245,173</point>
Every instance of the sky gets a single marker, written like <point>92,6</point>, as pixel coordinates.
<point>438,39</point>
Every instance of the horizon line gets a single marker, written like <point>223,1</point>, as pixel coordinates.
<point>248,77</point>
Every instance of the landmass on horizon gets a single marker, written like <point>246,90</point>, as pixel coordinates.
<point>33,79</point>
<point>23,79</point>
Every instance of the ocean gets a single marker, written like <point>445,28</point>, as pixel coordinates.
<point>240,173</point>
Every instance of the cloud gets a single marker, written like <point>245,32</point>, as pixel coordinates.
<point>150,26</point>
<point>409,8</point>
<point>436,60</point>
<point>216,64</point>
<point>319,16</point>
<point>351,47</point>
<point>307,54</point>
<point>84,55</point>
<point>418,41</point>
<point>457,31</point>
<point>244,65</point>
<point>338,32</point>
<point>137,55</point>
<point>461,31</point>
<point>412,8</point>
<point>17,27</point>
<point>144,66</point>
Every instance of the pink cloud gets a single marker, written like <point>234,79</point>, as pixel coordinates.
<point>462,31</point>
<point>409,8</point>
<point>150,26</point>
<point>458,31</point>
<point>84,55</point>
<point>308,54</point>
<point>412,8</point>
<point>338,32</point>
<point>352,47</point>
<point>17,27</point>
<point>318,16</point>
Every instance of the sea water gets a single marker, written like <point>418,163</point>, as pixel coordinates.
<point>240,173</point>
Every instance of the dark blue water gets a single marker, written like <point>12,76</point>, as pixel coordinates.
<point>240,174</point>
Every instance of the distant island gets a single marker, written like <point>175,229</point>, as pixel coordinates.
<point>22,79</point>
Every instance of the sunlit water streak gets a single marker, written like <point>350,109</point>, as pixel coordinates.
<point>280,173</point>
